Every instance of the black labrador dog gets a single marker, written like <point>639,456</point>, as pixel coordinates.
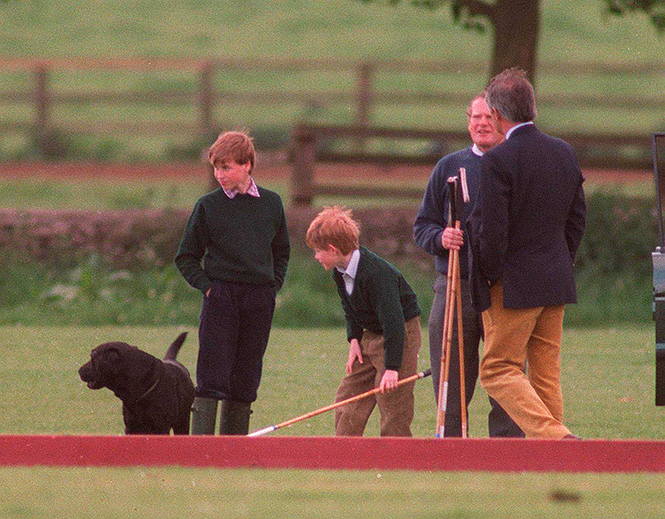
<point>156,395</point>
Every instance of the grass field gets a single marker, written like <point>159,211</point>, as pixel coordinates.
<point>608,393</point>
<point>44,192</point>
<point>608,381</point>
<point>207,493</point>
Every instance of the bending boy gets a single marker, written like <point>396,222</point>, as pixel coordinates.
<point>382,321</point>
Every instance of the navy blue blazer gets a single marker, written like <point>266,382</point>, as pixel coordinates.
<point>528,222</point>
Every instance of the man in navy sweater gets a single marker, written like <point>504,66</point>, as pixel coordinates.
<point>432,234</point>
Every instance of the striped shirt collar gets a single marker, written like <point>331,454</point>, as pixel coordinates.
<point>252,191</point>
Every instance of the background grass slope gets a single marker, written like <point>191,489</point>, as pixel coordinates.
<point>313,29</point>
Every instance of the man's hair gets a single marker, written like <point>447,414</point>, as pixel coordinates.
<point>233,145</point>
<point>511,94</point>
<point>470,107</point>
<point>334,226</point>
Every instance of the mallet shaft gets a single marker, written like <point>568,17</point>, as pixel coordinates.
<point>330,407</point>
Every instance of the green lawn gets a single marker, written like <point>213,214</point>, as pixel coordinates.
<point>210,493</point>
<point>608,392</point>
<point>608,381</point>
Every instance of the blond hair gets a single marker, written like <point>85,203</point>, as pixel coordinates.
<point>233,145</point>
<point>334,226</point>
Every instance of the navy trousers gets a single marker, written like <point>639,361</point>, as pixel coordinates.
<point>233,336</point>
<point>500,424</point>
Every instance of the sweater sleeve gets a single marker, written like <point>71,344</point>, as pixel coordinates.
<point>385,296</point>
<point>281,251</point>
<point>191,250</point>
<point>431,218</point>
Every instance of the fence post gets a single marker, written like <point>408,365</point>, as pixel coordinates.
<point>42,101</point>
<point>364,79</point>
<point>304,158</point>
<point>206,99</point>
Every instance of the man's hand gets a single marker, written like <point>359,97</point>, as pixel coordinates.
<point>452,238</point>
<point>389,380</point>
<point>354,353</point>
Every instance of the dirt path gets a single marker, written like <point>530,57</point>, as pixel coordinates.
<point>281,170</point>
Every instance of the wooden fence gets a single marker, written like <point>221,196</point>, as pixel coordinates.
<point>209,92</point>
<point>307,150</point>
<point>48,86</point>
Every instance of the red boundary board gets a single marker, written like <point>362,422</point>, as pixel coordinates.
<point>499,455</point>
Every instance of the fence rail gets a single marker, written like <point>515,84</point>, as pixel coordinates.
<point>307,151</point>
<point>207,93</point>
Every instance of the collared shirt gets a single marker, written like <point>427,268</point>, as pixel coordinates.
<point>349,273</point>
<point>252,191</point>
<point>476,150</point>
<point>509,132</point>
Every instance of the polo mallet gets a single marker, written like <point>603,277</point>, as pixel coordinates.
<point>330,407</point>
<point>453,303</point>
<point>460,333</point>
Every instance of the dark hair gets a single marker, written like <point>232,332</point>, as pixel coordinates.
<point>511,94</point>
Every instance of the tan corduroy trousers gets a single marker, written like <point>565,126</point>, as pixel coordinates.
<point>534,400</point>
<point>396,406</point>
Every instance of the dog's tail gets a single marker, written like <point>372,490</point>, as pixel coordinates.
<point>173,350</point>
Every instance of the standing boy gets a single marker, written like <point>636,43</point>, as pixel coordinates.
<point>239,231</point>
<point>382,321</point>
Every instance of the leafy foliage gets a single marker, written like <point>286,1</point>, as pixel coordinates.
<point>654,9</point>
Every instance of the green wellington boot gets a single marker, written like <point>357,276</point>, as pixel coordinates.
<point>204,415</point>
<point>234,417</point>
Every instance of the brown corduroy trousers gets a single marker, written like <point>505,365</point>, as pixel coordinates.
<point>396,406</point>
<point>533,401</point>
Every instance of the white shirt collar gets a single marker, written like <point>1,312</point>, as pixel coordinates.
<point>352,268</point>
<point>509,132</point>
<point>476,150</point>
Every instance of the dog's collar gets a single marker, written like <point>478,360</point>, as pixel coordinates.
<point>150,390</point>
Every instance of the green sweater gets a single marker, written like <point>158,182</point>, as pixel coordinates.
<point>243,240</point>
<point>381,302</point>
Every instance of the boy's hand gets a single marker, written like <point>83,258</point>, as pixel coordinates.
<point>354,353</point>
<point>389,380</point>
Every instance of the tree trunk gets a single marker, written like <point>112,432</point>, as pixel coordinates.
<point>516,28</point>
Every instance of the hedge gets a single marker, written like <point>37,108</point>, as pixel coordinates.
<point>621,234</point>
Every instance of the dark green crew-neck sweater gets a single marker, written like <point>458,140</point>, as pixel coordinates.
<point>243,240</point>
<point>381,302</point>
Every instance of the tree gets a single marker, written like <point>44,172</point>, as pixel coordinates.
<point>516,24</point>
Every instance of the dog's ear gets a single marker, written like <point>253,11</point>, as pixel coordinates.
<point>107,363</point>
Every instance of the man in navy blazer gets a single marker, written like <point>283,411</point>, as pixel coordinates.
<point>524,232</point>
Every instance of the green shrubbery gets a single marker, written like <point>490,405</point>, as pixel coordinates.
<point>613,273</point>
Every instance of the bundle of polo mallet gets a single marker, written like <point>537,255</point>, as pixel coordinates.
<point>457,196</point>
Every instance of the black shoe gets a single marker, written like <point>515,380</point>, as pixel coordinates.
<point>570,437</point>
